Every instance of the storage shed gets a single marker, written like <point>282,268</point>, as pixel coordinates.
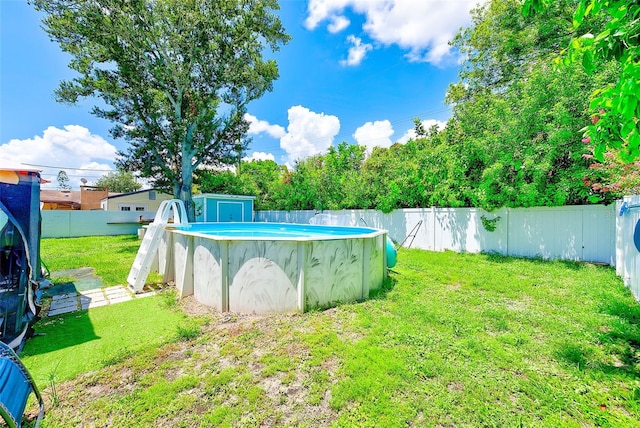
<point>212,207</point>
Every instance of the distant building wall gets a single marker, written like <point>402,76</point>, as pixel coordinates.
<point>53,205</point>
<point>60,199</point>
<point>144,200</point>
<point>90,197</point>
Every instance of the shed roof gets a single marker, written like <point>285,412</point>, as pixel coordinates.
<point>221,196</point>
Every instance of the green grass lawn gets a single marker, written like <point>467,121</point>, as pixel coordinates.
<point>455,340</point>
<point>110,256</point>
<point>78,342</point>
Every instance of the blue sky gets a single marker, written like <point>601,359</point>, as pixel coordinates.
<point>355,70</point>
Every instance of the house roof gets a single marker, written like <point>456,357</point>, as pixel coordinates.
<point>72,196</point>
<point>118,195</point>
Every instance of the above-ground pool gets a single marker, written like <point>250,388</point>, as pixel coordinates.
<point>272,267</point>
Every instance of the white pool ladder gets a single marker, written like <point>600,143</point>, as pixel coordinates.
<point>152,237</point>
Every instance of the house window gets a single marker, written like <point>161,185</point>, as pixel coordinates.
<point>133,207</point>
<point>152,195</point>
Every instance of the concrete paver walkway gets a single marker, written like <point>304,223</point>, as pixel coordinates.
<point>86,299</point>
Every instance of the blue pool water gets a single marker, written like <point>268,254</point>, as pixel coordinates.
<point>276,230</point>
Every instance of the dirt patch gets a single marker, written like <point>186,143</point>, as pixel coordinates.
<point>190,306</point>
<point>264,352</point>
<point>194,308</point>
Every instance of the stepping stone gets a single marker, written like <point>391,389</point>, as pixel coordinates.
<point>96,303</point>
<point>63,310</point>
<point>87,299</point>
<point>119,299</point>
<point>63,297</point>
<point>116,292</point>
<point>68,301</point>
<point>93,293</point>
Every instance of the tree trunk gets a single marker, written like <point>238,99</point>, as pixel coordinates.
<point>186,190</point>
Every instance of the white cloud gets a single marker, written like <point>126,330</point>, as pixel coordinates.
<point>357,52</point>
<point>308,133</point>
<point>319,10</point>
<point>259,126</point>
<point>75,149</point>
<point>427,124</point>
<point>422,27</point>
<point>259,156</point>
<point>338,23</point>
<point>374,134</point>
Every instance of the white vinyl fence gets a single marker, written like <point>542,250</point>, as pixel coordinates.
<point>591,233</point>
<point>628,251</point>
<point>70,224</point>
<point>581,233</point>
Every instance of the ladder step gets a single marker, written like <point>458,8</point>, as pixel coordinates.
<point>151,241</point>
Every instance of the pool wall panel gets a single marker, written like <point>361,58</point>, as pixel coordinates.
<point>183,259</point>
<point>165,259</point>
<point>208,285</point>
<point>263,276</point>
<point>334,272</point>
<point>374,263</point>
<point>275,276</point>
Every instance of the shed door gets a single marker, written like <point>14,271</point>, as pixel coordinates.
<point>230,211</point>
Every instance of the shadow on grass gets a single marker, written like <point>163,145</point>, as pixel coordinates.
<point>621,339</point>
<point>72,281</point>
<point>571,265</point>
<point>127,250</point>
<point>624,332</point>
<point>59,332</point>
<point>381,293</point>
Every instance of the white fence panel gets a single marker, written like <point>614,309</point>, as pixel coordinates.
<point>584,233</point>
<point>550,233</point>
<point>67,224</point>
<point>301,217</point>
<point>627,257</point>
<point>461,229</point>
<point>599,234</point>
<point>416,234</point>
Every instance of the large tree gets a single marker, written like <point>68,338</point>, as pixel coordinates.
<point>63,180</point>
<point>615,107</point>
<point>120,181</point>
<point>517,117</point>
<point>175,76</point>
